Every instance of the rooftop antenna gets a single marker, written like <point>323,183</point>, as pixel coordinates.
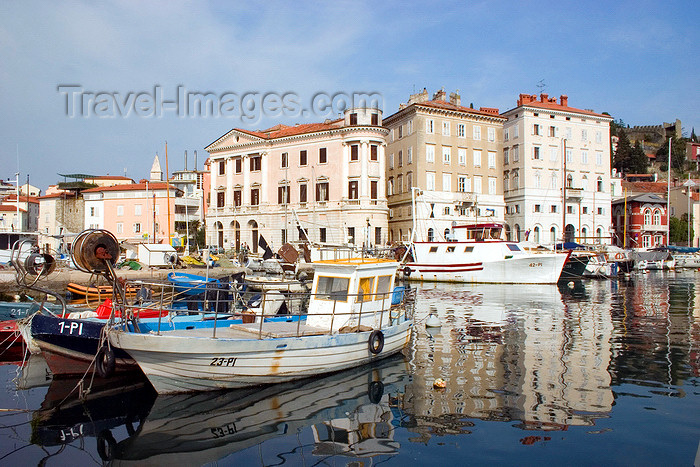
<point>195,160</point>
<point>185,160</point>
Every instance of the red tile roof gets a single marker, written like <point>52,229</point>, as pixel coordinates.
<point>10,208</point>
<point>444,105</point>
<point>131,187</point>
<point>22,198</point>
<point>565,108</point>
<point>645,187</point>
<point>280,131</point>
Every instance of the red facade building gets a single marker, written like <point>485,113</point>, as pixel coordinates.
<point>644,224</point>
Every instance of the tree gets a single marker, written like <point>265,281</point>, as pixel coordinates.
<point>693,138</point>
<point>677,153</point>
<point>623,153</point>
<point>678,230</point>
<point>638,161</point>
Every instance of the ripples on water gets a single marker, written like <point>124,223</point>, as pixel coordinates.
<point>598,372</point>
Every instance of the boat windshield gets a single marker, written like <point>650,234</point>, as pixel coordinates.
<point>332,288</point>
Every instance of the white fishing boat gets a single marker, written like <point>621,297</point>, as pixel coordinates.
<point>477,254</point>
<point>352,319</point>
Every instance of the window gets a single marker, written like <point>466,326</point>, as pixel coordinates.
<point>461,130</point>
<point>390,186</point>
<point>409,181</point>
<point>505,134</point>
<point>569,209</point>
<point>516,153</point>
<point>410,155</point>
<point>552,131</point>
<point>584,157</point>
<point>373,153</point>
<point>120,227</point>
<point>238,163</point>
<point>537,179</point>
<point>492,159</point>
<point>255,196</point>
<point>353,190</point>
<point>553,181</point>
<point>647,216</point>
<point>463,184</point>
<point>120,210</point>
<point>598,137</point>
<point>569,155</point>
<point>400,131</point>
<point>446,182</point>
<point>516,130</point>
<point>505,156</point>
<point>553,208</point>
<point>322,191</point>
<point>302,157</point>
<point>283,195</point>
<point>516,180</point>
<point>237,197</point>
<point>430,153</point>
<point>657,217</point>
<point>373,188</point>
<point>598,158</point>
<point>220,199</point>
<point>599,185</point>
<point>137,227</point>
<point>476,131</point>
<point>462,156</point>
<point>536,129</point>
<point>584,135</point>
<point>536,152</point>
<point>354,152</point>
<point>255,163</point>
<point>391,161</point>
<point>399,184</point>
<point>333,288</point>
<point>137,210</point>
<point>322,156</point>
<point>505,181</point>
<point>353,119</point>
<point>351,235</point>
<point>491,134</point>
<point>568,132</point>
<point>302,193</point>
<point>476,156</point>
<point>284,162</point>
<point>446,128</point>
<point>322,235</point>
<point>400,158</point>
<point>92,212</point>
<point>584,210</point>
<point>553,154</point>
<point>537,208</point>
<point>222,167</point>
<point>569,181</point>
<point>429,126</point>
<point>410,127</point>
<point>430,180</point>
<point>553,235</point>
<point>446,155</point>
<point>492,185</point>
<point>537,235</point>
<point>431,238</point>
<point>477,185</point>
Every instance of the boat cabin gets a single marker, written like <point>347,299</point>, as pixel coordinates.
<point>351,292</point>
<point>477,232</point>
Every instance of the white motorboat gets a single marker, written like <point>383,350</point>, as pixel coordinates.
<point>477,254</point>
<point>353,318</point>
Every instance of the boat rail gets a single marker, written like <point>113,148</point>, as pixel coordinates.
<point>256,313</point>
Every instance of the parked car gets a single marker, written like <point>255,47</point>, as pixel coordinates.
<point>214,250</point>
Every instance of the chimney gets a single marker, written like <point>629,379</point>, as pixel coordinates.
<point>440,95</point>
<point>455,98</point>
<point>564,100</point>
<point>525,99</point>
<point>543,97</point>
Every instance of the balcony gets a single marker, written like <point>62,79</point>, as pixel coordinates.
<point>575,194</point>
<point>654,228</point>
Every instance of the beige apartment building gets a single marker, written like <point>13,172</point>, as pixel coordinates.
<point>450,158</point>
<point>321,181</point>
<point>551,198</point>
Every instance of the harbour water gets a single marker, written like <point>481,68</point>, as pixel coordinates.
<point>586,373</point>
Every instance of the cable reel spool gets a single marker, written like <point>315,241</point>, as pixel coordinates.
<point>92,248</point>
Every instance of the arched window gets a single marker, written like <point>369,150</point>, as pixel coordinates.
<point>584,234</point>
<point>584,183</point>
<point>599,234</point>
<point>599,184</point>
<point>657,217</point>
<point>647,216</point>
<point>431,235</point>
<point>447,233</point>
<point>553,235</point>
<point>516,181</point>
<point>516,233</point>
<point>536,238</point>
<point>569,181</point>
<point>505,181</point>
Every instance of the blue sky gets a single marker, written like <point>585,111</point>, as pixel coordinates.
<point>633,59</point>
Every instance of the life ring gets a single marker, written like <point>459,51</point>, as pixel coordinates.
<point>375,391</point>
<point>105,362</point>
<point>407,271</point>
<point>376,341</point>
<point>619,256</point>
<point>106,445</point>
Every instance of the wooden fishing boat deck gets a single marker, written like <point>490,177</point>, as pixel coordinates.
<point>252,330</point>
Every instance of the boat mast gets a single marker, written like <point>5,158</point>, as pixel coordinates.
<point>668,195</point>
<point>624,231</point>
<point>167,188</point>
<point>563,210</point>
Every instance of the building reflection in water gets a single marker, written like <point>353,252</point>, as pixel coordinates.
<point>532,354</point>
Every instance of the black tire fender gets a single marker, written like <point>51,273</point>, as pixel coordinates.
<point>105,362</point>
<point>375,391</point>
<point>376,341</point>
<point>106,445</point>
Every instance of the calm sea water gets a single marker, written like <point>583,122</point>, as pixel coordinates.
<point>596,373</point>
